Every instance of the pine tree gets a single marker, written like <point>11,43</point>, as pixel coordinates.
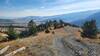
<point>61,23</point>
<point>50,23</point>
<point>55,23</point>
<point>90,29</point>
<point>11,33</point>
<point>47,25</point>
<point>32,27</point>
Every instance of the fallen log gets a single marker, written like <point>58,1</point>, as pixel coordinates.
<point>2,51</point>
<point>16,51</point>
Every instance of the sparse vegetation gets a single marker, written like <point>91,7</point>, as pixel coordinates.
<point>90,29</point>
<point>47,31</point>
<point>11,33</point>
<point>32,28</point>
<point>53,32</point>
<point>24,34</point>
<point>64,39</point>
<point>50,25</point>
<point>62,23</point>
<point>3,39</point>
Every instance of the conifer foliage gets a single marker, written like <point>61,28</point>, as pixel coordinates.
<point>32,27</point>
<point>11,33</point>
<point>90,29</point>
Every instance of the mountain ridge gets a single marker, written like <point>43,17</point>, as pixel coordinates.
<point>73,18</point>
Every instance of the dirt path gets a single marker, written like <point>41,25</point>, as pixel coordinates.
<point>62,43</point>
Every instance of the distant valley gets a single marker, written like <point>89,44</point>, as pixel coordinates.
<point>77,18</point>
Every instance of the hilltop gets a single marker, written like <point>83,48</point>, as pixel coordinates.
<point>64,42</point>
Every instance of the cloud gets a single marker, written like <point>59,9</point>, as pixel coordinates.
<point>80,5</point>
<point>57,10</point>
<point>76,7</point>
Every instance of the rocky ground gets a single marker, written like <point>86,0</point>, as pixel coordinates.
<point>65,42</point>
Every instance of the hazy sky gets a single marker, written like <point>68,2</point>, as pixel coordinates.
<point>18,8</point>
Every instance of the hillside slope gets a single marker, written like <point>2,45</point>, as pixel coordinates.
<point>65,42</point>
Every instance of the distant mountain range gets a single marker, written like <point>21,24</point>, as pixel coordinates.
<point>77,18</point>
<point>95,16</point>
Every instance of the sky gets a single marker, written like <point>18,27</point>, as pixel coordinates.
<point>20,8</point>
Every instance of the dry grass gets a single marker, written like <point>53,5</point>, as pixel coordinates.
<point>42,40</point>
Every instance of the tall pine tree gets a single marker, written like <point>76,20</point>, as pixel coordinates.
<point>32,27</point>
<point>90,29</point>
